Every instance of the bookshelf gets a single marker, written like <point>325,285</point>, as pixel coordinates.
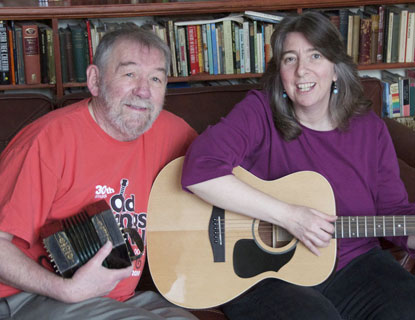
<point>53,12</point>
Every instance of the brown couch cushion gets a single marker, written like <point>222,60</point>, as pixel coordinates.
<point>18,110</point>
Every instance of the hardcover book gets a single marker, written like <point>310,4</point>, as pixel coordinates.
<point>4,50</point>
<point>31,53</point>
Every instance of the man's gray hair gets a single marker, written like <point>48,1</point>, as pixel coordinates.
<point>131,33</point>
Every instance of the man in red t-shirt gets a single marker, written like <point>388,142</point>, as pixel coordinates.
<point>109,147</point>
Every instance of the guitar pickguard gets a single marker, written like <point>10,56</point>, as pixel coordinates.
<point>249,260</point>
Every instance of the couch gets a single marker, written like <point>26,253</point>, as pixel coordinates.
<point>201,107</point>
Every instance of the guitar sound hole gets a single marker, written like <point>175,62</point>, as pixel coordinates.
<point>273,236</point>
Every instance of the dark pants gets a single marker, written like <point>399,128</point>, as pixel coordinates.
<point>372,286</point>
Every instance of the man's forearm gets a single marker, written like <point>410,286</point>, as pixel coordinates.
<point>21,272</point>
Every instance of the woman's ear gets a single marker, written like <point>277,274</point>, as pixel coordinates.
<point>92,75</point>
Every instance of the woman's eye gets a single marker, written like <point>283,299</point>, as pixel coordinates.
<point>289,59</point>
<point>316,55</point>
<point>129,74</point>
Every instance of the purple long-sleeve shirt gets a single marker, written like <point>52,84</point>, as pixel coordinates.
<point>359,163</point>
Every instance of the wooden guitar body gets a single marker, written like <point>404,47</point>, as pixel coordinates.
<point>201,256</point>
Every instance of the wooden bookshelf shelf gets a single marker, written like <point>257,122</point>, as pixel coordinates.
<point>31,9</point>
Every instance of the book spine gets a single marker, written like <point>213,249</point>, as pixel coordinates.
<point>12,65</point>
<point>69,55</point>
<point>267,48</point>
<point>228,47</point>
<point>409,56</point>
<point>412,97</point>
<point>51,56</point>
<point>200,49</point>
<point>210,48</point>
<point>183,51</point>
<point>221,49</point>
<point>405,97</point>
<point>4,52</point>
<point>19,55</point>
<point>192,46</point>
<point>356,33</point>
<point>252,47</point>
<point>43,55</point>
<point>242,48</point>
<point>349,47</point>
<point>64,59</point>
<point>343,24</point>
<point>388,52</point>
<point>246,47</point>
<point>90,49</point>
<point>79,53</point>
<point>395,38</point>
<point>374,38</point>
<point>403,27</point>
<point>381,34</point>
<point>172,45</point>
<point>178,53</point>
<point>205,48</point>
<point>365,40</point>
<point>237,49</point>
<point>31,53</point>
<point>394,93</point>
<point>214,49</point>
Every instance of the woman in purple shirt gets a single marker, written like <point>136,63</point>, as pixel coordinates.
<point>312,115</point>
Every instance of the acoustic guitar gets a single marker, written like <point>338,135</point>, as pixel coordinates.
<point>201,256</point>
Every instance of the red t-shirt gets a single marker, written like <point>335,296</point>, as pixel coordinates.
<point>64,161</point>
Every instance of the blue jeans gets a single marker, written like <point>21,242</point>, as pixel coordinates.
<point>372,286</point>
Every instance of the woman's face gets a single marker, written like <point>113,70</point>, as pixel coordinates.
<point>306,74</point>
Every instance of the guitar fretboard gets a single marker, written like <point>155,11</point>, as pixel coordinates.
<point>374,226</point>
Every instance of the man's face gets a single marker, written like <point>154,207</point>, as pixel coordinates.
<point>131,90</point>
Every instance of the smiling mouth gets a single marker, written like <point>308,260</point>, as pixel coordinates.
<point>304,87</point>
<point>138,108</point>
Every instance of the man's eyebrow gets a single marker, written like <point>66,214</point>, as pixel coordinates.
<point>129,63</point>
<point>124,64</point>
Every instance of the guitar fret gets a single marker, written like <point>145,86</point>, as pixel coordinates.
<point>404,225</point>
<point>342,228</point>
<point>335,229</point>
<point>374,226</point>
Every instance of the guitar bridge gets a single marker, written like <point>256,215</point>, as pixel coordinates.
<point>217,234</point>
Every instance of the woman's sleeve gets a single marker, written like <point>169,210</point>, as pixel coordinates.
<point>225,145</point>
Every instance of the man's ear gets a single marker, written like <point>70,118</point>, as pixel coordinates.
<point>92,75</point>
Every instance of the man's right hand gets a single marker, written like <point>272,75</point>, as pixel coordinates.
<point>93,279</point>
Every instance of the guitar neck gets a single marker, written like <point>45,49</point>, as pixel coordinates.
<point>374,226</point>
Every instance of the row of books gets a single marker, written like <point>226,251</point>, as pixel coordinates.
<point>398,94</point>
<point>377,34</point>
<point>27,53</point>
<point>234,44</point>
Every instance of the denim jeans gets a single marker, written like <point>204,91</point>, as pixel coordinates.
<point>372,286</point>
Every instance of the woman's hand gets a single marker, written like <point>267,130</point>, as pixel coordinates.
<point>313,228</point>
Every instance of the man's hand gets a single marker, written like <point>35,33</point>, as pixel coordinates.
<point>93,279</point>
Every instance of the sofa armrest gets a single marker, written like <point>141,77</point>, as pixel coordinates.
<point>403,139</point>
